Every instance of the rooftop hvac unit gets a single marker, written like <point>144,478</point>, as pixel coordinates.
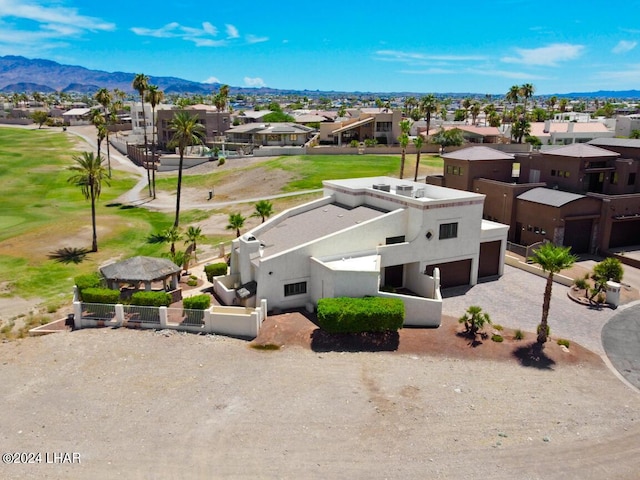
<point>382,186</point>
<point>419,193</point>
<point>405,190</point>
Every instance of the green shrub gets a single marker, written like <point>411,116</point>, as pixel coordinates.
<point>497,338</point>
<point>221,161</point>
<point>518,334</point>
<point>563,342</point>
<point>192,282</point>
<point>357,315</point>
<point>197,302</point>
<point>101,295</point>
<point>215,270</point>
<point>91,280</point>
<point>354,143</point>
<point>151,299</point>
<point>498,327</point>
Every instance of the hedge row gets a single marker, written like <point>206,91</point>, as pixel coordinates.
<point>197,302</point>
<point>100,295</point>
<point>215,270</point>
<point>356,315</point>
<point>92,280</point>
<point>151,299</point>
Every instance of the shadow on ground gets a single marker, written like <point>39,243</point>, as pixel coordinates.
<point>533,355</point>
<point>322,341</point>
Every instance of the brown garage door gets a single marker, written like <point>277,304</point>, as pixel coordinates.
<point>452,274</point>
<point>489,259</point>
<point>577,235</point>
<point>625,233</point>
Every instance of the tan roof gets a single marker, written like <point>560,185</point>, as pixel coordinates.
<point>580,150</point>
<point>353,125</point>
<point>538,129</point>
<point>478,154</point>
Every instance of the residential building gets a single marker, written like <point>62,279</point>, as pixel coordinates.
<point>566,133</point>
<point>369,236</point>
<point>270,134</point>
<point>215,123</point>
<point>381,124</point>
<point>625,125</point>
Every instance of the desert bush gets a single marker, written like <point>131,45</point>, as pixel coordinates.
<point>497,338</point>
<point>151,299</point>
<point>215,270</point>
<point>474,319</point>
<point>197,302</point>
<point>354,143</point>
<point>192,282</point>
<point>357,315</point>
<point>498,327</point>
<point>100,295</point>
<point>518,335</point>
<point>563,342</point>
<point>221,161</point>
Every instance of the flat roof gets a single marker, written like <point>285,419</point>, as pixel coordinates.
<point>313,224</point>
<point>549,196</point>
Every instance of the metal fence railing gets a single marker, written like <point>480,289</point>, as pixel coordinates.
<point>98,311</point>
<point>135,313</point>
<point>185,316</point>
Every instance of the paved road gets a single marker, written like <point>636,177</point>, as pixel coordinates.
<point>621,341</point>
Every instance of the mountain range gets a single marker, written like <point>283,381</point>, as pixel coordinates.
<point>20,74</point>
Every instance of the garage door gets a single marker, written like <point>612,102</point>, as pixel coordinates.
<point>489,259</point>
<point>577,235</point>
<point>452,274</point>
<point>625,233</point>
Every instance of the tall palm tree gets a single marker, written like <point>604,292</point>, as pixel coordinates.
<point>192,235</point>
<point>141,84</point>
<point>418,141</point>
<point>428,105</point>
<point>236,222</point>
<point>264,209</point>
<point>552,259</point>
<point>187,131</point>
<point>154,97</point>
<point>526,91</point>
<point>475,111</point>
<point>403,139</point>
<point>172,236</point>
<point>488,110</point>
<point>97,120</point>
<point>104,98</point>
<point>512,96</point>
<point>89,174</point>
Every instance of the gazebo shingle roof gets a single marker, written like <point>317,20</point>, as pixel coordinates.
<point>140,269</point>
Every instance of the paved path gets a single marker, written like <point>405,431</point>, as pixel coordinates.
<point>621,341</point>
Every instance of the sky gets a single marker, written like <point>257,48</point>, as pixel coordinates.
<point>358,46</point>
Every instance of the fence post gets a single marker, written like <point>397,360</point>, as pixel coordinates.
<point>119,315</point>
<point>164,315</point>
<point>208,320</point>
<point>77,315</point>
<point>263,308</point>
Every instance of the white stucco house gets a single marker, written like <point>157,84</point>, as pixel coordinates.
<point>377,236</point>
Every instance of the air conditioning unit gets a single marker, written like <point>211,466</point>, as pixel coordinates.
<point>405,190</point>
<point>382,186</point>
<point>419,193</point>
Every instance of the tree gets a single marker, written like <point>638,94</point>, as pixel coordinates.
<point>172,236</point>
<point>97,120</point>
<point>526,91</point>
<point>635,134</point>
<point>428,106</point>
<point>474,319</point>
<point>264,209</point>
<point>448,138</point>
<point>141,85</point>
<point>187,131</point>
<point>154,97</point>
<point>104,98</point>
<point>89,175</point>
<point>40,117</point>
<point>403,139</point>
<point>418,141</point>
<point>192,235</point>
<point>551,103</point>
<point>236,222</point>
<point>608,269</point>
<point>520,129</point>
<point>475,110</point>
<point>552,259</point>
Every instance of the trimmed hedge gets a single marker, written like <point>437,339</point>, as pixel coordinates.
<point>91,280</point>
<point>151,299</point>
<point>197,302</point>
<point>101,295</point>
<point>215,270</point>
<point>357,315</point>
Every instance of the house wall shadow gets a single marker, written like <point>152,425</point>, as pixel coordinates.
<point>322,341</point>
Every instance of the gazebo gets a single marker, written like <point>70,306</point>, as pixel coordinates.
<point>137,270</point>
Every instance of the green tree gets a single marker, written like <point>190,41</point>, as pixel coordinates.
<point>635,134</point>
<point>97,120</point>
<point>552,259</point>
<point>192,235</point>
<point>428,106</point>
<point>236,222</point>
<point>104,98</point>
<point>448,138</point>
<point>608,269</point>
<point>264,209</point>
<point>141,85</point>
<point>187,130</point>
<point>40,117</point>
<point>418,141</point>
<point>403,139</point>
<point>154,98</point>
<point>277,117</point>
<point>520,129</point>
<point>475,110</point>
<point>89,174</point>
<point>474,319</point>
<point>172,236</point>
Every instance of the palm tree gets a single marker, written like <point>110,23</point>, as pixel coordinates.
<point>551,103</point>
<point>526,91</point>
<point>264,209</point>
<point>552,259</point>
<point>172,236</point>
<point>475,111</point>
<point>141,84</point>
<point>403,139</point>
<point>154,97</point>
<point>104,98</point>
<point>428,105</point>
<point>97,120</point>
<point>512,96</point>
<point>236,222</point>
<point>418,141</point>
<point>488,110</point>
<point>89,175</point>
<point>187,131</point>
<point>192,235</point>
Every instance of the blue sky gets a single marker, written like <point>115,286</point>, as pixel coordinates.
<point>367,46</point>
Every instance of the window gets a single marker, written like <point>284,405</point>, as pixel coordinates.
<point>449,169</point>
<point>553,173</point>
<point>614,178</point>
<point>293,137</point>
<point>383,126</point>
<point>448,230</point>
<point>295,289</point>
<point>632,179</point>
<point>393,240</point>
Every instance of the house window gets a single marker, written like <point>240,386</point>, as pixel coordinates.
<point>553,173</point>
<point>295,289</point>
<point>273,137</point>
<point>448,230</point>
<point>293,138</point>
<point>614,178</point>
<point>566,174</point>
<point>632,179</point>
<point>383,127</point>
<point>393,240</point>
<point>449,169</point>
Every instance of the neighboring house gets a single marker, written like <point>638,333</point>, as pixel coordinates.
<point>566,133</point>
<point>368,123</point>
<point>461,167</point>
<point>270,134</point>
<point>625,125</point>
<point>369,236</point>
<point>250,116</point>
<point>77,116</point>
<point>215,123</point>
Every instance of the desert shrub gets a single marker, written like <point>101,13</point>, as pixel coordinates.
<point>354,143</point>
<point>601,298</point>
<point>474,319</point>
<point>197,302</point>
<point>215,270</point>
<point>91,280</point>
<point>518,335</point>
<point>498,327</point>
<point>192,282</point>
<point>497,338</point>
<point>357,315</point>
<point>563,342</point>
<point>221,161</point>
<point>100,295</point>
<point>151,299</point>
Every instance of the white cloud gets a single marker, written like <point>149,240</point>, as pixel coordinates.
<point>546,56</point>
<point>232,32</point>
<point>624,46</point>
<point>255,39</point>
<point>254,82</point>
<point>53,15</point>
<point>212,80</point>
<point>414,58</point>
